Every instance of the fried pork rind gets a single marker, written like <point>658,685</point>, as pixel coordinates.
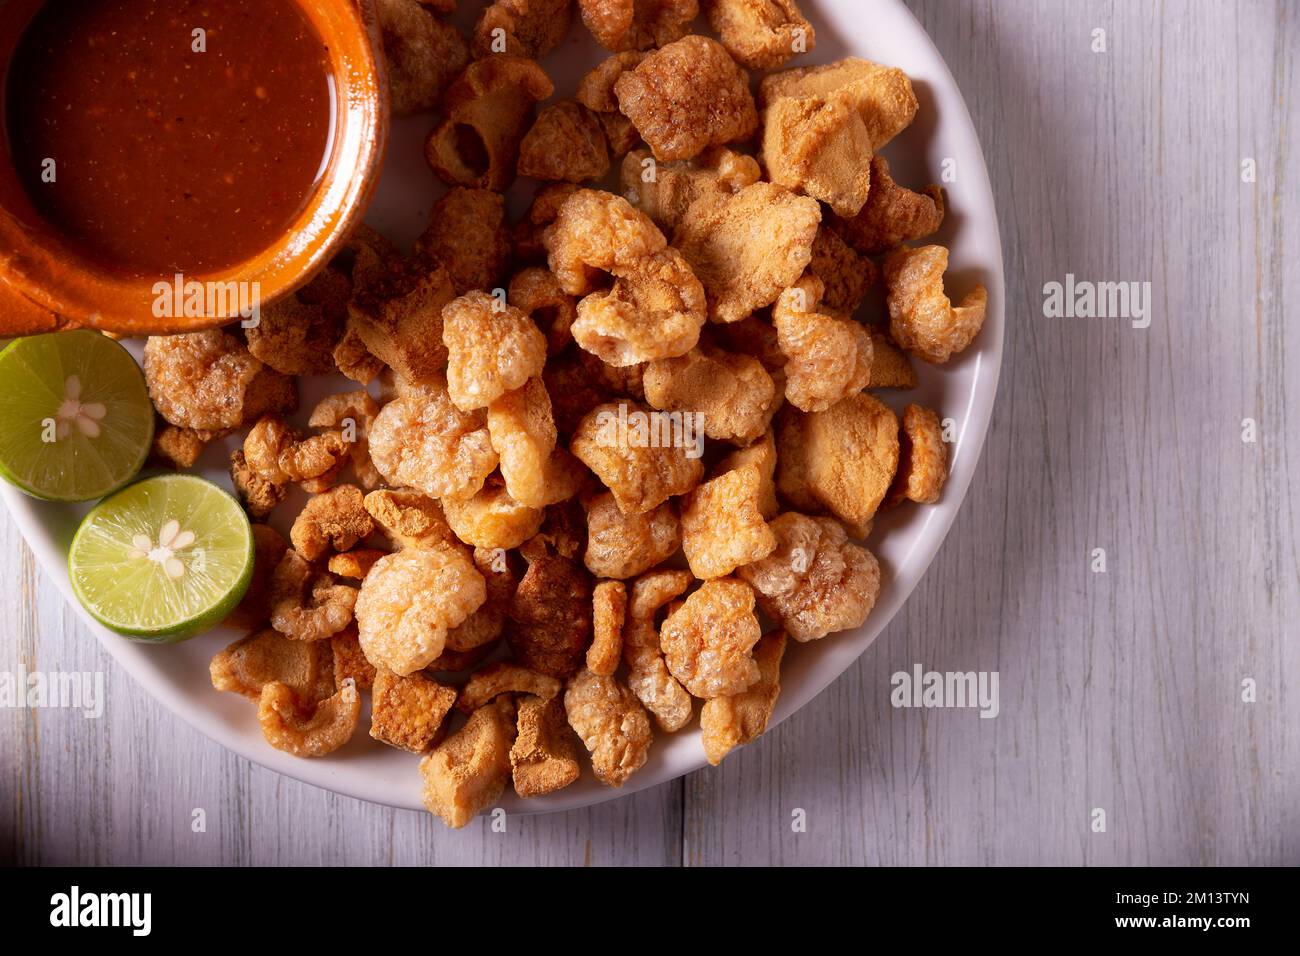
<point>353,414</point>
<point>322,483</point>
<point>209,381</point>
<point>471,382</point>
<point>421,440</point>
<point>544,757</point>
<point>707,642</point>
<point>647,674</point>
<point>450,661</point>
<point>620,25</point>
<point>304,731</point>
<point>409,519</point>
<point>566,143</point>
<point>596,88</point>
<point>640,478</point>
<point>845,275</point>
<point>254,608</point>
<point>488,109</point>
<point>481,629</point>
<point>892,215</point>
<point>655,307</point>
<point>527,28</point>
<point>596,232</point>
<point>828,354</point>
<point>181,447</point>
<point>333,411</point>
<point>398,317</point>
<point>613,725</point>
<point>307,605</point>
<point>355,563</point>
<point>567,476</point>
<point>822,124</point>
<point>608,611</point>
<point>410,600</point>
<point>468,770</point>
<point>623,545</point>
<point>422,53</point>
<point>761,34</point>
<point>504,678</point>
<point>258,495</point>
<point>529,231</point>
<point>354,360</point>
<point>890,367</point>
<point>881,96</point>
<point>922,319</point>
<point>313,457</point>
<point>574,391</point>
<point>686,97</point>
<point>492,519</point>
<point>523,434</point>
<point>816,581</point>
<point>842,459</point>
<point>551,611</point>
<point>468,235</point>
<point>654,310</point>
<point>753,336</point>
<point>762,456</point>
<point>537,293</point>
<point>252,662</point>
<point>627,380</point>
<point>492,349</point>
<point>366,257</point>
<point>734,392</point>
<point>297,337</point>
<point>735,720</point>
<point>563,532</point>
<point>620,135</point>
<point>278,454</point>
<point>269,437</point>
<point>366,260</point>
<point>331,286</point>
<point>820,148</point>
<point>722,526</point>
<point>332,521</point>
<point>923,458</point>
<point>651,312</point>
<point>350,660</point>
<point>409,712</point>
<point>596,92</point>
<point>749,247</point>
<point>664,191</point>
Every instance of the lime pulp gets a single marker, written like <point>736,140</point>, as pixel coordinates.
<point>75,417</point>
<point>163,559</point>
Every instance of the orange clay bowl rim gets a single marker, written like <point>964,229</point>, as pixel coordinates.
<point>46,286</point>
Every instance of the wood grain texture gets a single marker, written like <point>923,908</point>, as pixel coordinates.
<point>1119,691</point>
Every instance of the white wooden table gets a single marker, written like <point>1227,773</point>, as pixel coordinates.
<point>1119,690</point>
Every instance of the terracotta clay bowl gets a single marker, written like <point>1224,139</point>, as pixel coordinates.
<point>46,285</point>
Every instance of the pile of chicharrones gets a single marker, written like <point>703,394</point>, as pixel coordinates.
<point>500,490</point>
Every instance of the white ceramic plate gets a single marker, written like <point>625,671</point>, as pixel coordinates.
<point>905,539</point>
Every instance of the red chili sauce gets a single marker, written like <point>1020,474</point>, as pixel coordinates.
<point>174,150</point>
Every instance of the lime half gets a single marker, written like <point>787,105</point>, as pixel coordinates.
<point>163,559</point>
<point>75,416</point>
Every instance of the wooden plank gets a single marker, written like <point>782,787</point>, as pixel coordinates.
<point>1118,690</point>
